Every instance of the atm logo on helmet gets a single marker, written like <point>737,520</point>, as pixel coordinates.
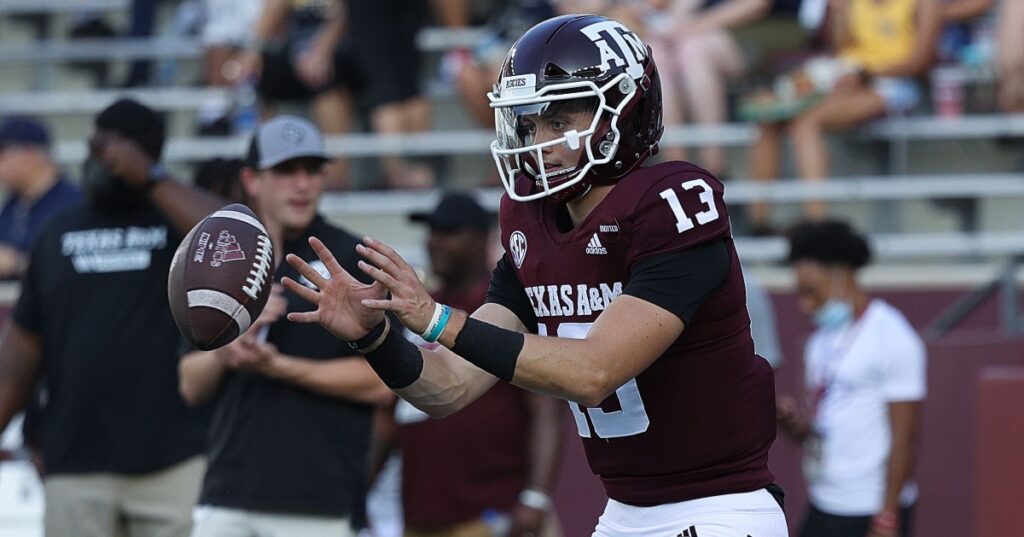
<point>631,51</point>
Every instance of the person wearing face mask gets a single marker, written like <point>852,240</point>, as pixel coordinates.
<point>865,380</point>
<point>122,453</point>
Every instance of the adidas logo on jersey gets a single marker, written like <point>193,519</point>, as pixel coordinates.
<point>594,247</point>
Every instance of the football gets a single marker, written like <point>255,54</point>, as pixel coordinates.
<point>220,277</point>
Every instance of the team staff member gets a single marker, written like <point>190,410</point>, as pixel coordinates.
<point>122,452</point>
<point>289,442</point>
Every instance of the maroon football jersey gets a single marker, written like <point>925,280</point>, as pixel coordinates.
<point>700,420</point>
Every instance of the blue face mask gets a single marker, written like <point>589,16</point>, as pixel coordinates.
<point>833,315</point>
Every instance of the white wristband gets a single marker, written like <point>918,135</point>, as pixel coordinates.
<point>535,499</point>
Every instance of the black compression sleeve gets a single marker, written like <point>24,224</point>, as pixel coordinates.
<point>506,290</point>
<point>493,349</point>
<point>680,281</point>
<point>396,360</point>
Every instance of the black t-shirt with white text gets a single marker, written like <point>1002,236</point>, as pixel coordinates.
<point>95,294</point>
<point>277,447</point>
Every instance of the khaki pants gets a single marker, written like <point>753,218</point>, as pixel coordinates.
<point>158,504</point>
<point>478,528</point>
<point>213,521</point>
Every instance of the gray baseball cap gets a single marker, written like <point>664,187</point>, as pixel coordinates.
<point>284,138</point>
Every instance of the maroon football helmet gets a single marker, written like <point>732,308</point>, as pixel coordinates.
<point>577,57</point>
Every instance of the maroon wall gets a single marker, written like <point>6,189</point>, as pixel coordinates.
<point>947,459</point>
<point>999,467</point>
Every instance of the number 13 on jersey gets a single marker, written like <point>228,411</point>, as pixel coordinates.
<point>707,198</point>
<point>631,418</point>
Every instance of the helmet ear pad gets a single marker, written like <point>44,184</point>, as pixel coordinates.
<point>640,128</point>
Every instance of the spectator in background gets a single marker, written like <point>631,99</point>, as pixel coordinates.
<point>957,19</point>
<point>35,190</point>
<point>296,54</point>
<point>1011,56</point>
<point>383,37</point>
<point>698,56</point>
<point>884,45</point>
<point>476,70</point>
<point>290,436</point>
<point>865,380</point>
<point>123,454</point>
<point>226,33</point>
<point>489,469</point>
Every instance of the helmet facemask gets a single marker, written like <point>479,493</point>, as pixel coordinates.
<point>516,152</point>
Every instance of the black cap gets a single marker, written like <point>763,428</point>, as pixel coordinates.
<point>23,131</point>
<point>457,210</point>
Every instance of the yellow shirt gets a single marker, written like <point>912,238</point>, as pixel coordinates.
<point>883,33</point>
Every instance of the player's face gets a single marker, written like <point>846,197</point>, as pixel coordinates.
<point>288,193</point>
<point>553,123</point>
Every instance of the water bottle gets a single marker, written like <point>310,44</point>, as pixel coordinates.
<point>246,108</point>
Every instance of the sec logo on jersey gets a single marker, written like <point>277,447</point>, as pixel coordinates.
<point>517,246</point>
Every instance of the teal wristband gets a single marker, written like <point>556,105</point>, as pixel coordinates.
<point>437,327</point>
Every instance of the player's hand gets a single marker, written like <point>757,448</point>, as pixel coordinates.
<point>789,419</point>
<point>338,299</point>
<point>526,522</point>
<point>125,160</point>
<point>409,299</point>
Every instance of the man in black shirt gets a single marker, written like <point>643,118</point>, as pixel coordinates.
<point>122,452</point>
<point>290,436</point>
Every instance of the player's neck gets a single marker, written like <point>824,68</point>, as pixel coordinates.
<point>580,208</point>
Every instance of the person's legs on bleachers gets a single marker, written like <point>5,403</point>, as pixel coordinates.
<point>709,59</point>
<point>764,167</point>
<point>333,111</point>
<point>848,105</point>
<point>670,72</point>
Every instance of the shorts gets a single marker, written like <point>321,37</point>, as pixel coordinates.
<point>229,22</point>
<point>279,81</point>
<point>383,37</point>
<point>754,513</point>
<point>901,95</point>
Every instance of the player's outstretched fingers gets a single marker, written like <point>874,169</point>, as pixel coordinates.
<point>304,316</point>
<point>306,270</point>
<point>390,254</point>
<point>378,274</point>
<point>305,293</point>
<point>333,267</point>
<point>378,259</point>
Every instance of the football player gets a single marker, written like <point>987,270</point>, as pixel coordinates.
<point>620,291</point>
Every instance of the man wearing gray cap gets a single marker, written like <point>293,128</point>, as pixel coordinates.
<point>290,436</point>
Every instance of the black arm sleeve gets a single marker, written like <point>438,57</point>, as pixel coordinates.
<point>506,290</point>
<point>681,280</point>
